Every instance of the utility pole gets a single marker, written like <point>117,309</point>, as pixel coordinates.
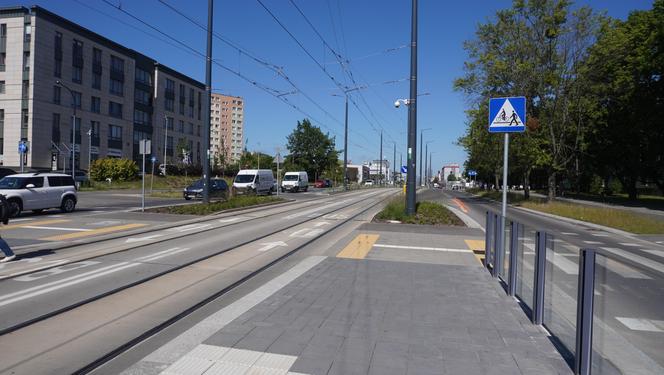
<point>394,163</point>
<point>89,152</point>
<point>346,146</point>
<point>430,171</point>
<point>165,143</point>
<point>412,116</point>
<point>73,129</point>
<point>426,154</point>
<point>208,100</point>
<point>380,173</point>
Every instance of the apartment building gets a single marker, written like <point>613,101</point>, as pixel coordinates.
<point>227,126</point>
<point>56,75</point>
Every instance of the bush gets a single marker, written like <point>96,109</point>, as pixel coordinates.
<point>115,169</point>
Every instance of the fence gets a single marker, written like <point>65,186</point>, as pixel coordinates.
<point>605,312</point>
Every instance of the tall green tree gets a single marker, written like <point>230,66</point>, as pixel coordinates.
<point>310,150</point>
<point>624,74</point>
<point>534,49</point>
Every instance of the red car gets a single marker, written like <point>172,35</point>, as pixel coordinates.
<point>319,184</point>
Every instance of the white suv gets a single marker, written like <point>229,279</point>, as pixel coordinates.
<point>39,191</point>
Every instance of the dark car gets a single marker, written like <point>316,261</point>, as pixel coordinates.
<point>6,172</point>
<point>328,183</point>
<point>218,188</point>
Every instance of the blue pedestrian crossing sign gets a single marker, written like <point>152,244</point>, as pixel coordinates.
<point>507,115</point>
<point>404,169</point>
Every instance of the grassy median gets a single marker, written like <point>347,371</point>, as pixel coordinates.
<point>610,217</point>
<point>215,207</point>
<point>429,213</point>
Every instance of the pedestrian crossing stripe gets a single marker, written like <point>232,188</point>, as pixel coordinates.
<point>507,115</point>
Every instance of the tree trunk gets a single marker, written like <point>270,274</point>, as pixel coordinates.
<point>526,185</point>
<point>552,186</point>
<point>497,186</point>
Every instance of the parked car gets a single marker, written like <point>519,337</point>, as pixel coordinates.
<point>6,172</point>
<point>39,191</point>
<point>295,181</point>
<point>256,181</point>
<point>218,189</point>
<point>328,183</point>
<point>319,184</point>
<point>80,175</point>
<point>368,182</point>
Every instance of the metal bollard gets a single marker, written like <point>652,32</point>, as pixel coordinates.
<point>515,232</point>
<point>540,269</point>
<point>487,239</point>
<point>584,312</point>
<point>499,253</point>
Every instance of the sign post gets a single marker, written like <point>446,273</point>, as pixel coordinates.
<point>506,115</point>
<point>145,147</point>
<point>153,160</point>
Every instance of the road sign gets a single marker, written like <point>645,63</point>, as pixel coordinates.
<point>145,147</point>
<point>153,159</point>
<point>472,173</point>
<point>404,169</point>
<point>507,115</point>
<point>22,147</point>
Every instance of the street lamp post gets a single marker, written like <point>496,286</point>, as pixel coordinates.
<point>165,143</point>
<point>73,129</point>
<point>380,171</point>
<point>412,115</point>
<point>421,146</point>
<point>426,153</point>
<point>89,151</point>
<point>346,91</point>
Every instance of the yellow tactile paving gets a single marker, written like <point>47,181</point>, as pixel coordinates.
<point>32,223</point>
<point>93,232</point>
<point>359,247</point>
<point>477,246</point>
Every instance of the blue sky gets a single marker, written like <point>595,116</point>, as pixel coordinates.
<point>371,34</point>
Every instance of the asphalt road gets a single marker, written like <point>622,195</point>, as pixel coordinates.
<point>99,212</point>
<point>629,300</point>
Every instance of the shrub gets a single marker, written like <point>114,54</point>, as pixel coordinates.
<point>115,169</point>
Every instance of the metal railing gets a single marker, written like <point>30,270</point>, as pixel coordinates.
<point>605,312</point>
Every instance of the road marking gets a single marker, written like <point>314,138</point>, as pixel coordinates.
<point>625,270</point>
<point>24,219</point>
<point>104,223</point>
<point>569,233</point>
<point>307,232</point>
<point>189,227</point>
<point>659,253</point>
<point>594,242</point>
<point>145,238</point>
<point>163,254</point>
<point>565,265</point>
<point>43,222</point>
<point>321,223</point>
<point>599,234</point>
<point>478,247</point>
<point>359,247</point>
<point>58,228</point>
<point>423,248</point>
<point>270,245</point>
<point>335,217</point>
<point>231,219</point>
<point>461,205</point>
<point>629,244</point>
<point>659,242</point>
<point>638,324</point>
<point>641,260</point>
<point>56,271</point>
<point>93,232</point>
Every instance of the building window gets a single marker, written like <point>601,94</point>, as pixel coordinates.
<point>28,34</point>
<point>190,129</point>
<point>55,128</point>
<point>169,123</point>
<point>169,96</point>
<point>115,109</point>
<point>191,103</point>
<point>142,97</point>
<point>117,64</point>
<point>182,99</point>
<point>77,53</point>
<point>94,127</point>
<point>96,56</point>
<point>57,69</point>
<point>116,87</point>
<point>56,94</point>
<point>143,77</point>
<point>25,118</point>
<point>96,81</point>
<point>181,126</point>
<point>26,61</point>
<point>114,133</point>
<point>198,132</point>
<point>3,30</point>
<point>2,87</point>
<point>142,117</point>
<point>77,74</point>
<point>169,146</point>
<point>95,104</point>
<point>76,96</point>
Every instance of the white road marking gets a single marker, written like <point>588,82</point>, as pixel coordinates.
<point>15,220</point>
<point>230,219</point>
<point>321,223</point>
<point>629,244</point>
<point>270,245</point>
<point>335,217</point>
<point>104,223</point>
<point>625,271</point>
<point>422,248</point>
<point>638,324</point>
<point>58,228</point>
<point>307,233</point>
<point>56,271</point>
<point>144,238</point>
<point>594,242</point>
<point>565,265</point>
<point>599,234</point>
<point>659,242</point>
<point>189,227</point>
<point>569,233</point>
<point>659,253</point>
<point>641,260</point>
<point>172,251</point>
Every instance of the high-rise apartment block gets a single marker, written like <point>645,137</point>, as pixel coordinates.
<point>52,68</point>
<point>227,126</point>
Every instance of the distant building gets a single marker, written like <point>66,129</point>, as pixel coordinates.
<point>227,126</point>
<point>358,173</point>
<point>376,168</point>
<point>121,96</point>
<point>451,168</point>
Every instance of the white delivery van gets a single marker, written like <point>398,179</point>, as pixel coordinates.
<point>295,181</point>
<point>257,181</point>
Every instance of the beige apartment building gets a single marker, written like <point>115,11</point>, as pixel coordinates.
<point>51,68</point>
<point>227,126</point>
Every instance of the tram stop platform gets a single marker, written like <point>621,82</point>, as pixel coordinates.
<point>385,299</point>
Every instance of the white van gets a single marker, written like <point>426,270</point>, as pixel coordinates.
<point>295,181</point>
<point>257,181</point>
